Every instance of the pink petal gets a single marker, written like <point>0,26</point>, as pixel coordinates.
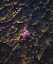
<point>27,34</point>
<point>23,35</point>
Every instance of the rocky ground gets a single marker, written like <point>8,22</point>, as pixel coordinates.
<point>37,17</point>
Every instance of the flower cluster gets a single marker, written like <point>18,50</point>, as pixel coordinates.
<point>25,34</point>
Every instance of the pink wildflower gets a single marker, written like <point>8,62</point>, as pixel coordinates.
<point>26,33</point>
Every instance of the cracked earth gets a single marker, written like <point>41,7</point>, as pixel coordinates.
<point>37,17</point>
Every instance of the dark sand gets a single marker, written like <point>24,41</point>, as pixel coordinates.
<point>37,17</point>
